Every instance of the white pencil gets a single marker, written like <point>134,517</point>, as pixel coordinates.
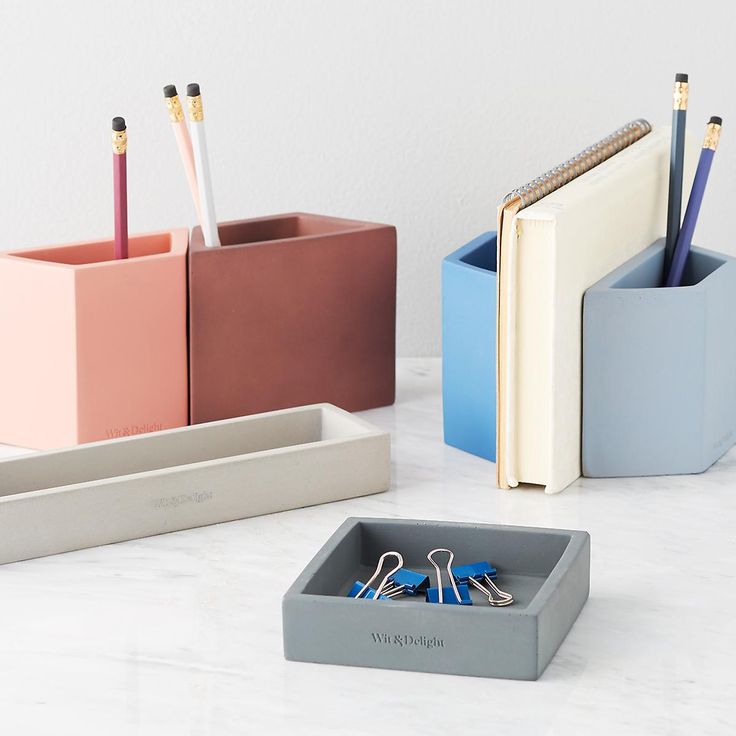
<point>208,220</point>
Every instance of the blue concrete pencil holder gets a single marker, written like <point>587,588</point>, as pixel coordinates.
<point>659,367</point>
<point>469,347</point>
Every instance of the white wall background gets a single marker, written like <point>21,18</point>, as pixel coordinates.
<point>417,113</point>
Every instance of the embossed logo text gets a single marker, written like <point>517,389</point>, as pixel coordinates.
<point>408,640</point>
<point>167,502</point>
<point>132,429</point>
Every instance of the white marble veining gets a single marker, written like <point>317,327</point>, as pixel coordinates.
<point>181,634</point>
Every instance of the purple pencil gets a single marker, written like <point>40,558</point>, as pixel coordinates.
<point>120,186</point>
<point>685,238</point>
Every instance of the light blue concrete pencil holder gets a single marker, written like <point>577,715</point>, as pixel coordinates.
<point>469,347</point>
<point>659,367</point>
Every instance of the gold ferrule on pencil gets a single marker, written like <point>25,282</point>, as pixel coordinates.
<point>176,113</point>
<point>194,105</point>
<point>119,141</point>
<point>679,98</point>
<point>712,136</point>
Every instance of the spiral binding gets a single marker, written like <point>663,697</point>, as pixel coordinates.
<point>584,161</point>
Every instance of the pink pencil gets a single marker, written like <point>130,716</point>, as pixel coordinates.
<point>183,141</point>
<point>120,186</point>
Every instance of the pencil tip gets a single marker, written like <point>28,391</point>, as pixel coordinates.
<point>118,124</point>
<point>170,90</point>
<point>716,120</point>
<point>680,77</point>
<point>193,90</point>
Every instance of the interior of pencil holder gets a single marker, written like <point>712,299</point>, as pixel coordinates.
<point>482,256</point>
<point>100,251</point>
<point>649,273</point>
<point>523,559</point>
<point>281,228</point>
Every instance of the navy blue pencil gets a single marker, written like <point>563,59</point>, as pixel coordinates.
<point>685,238</point>
<point>677,161</point>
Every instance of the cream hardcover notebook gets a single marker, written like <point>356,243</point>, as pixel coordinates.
<point>550,252</point>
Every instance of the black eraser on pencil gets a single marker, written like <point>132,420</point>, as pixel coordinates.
<point>193,90</point>
<point>680,77</point>
<point>118,124</point>
<point>716,120</point>
<point>170,90</point>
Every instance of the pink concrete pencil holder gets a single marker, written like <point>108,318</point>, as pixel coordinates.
<point>93,348</point>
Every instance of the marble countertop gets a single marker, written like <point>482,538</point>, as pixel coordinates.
<point>181,633</point>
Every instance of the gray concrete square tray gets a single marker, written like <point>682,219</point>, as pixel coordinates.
<point>547,571</point>
<point>177,479</point>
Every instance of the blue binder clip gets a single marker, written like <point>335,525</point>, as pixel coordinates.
<point>359,590</point>
<point>475,570</point>
<point>406,582</point>
<point>364,590</point>
<point>454,594</point>
<point>481,576</point>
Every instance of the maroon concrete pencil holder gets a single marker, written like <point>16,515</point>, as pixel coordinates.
<point>292,309</point>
